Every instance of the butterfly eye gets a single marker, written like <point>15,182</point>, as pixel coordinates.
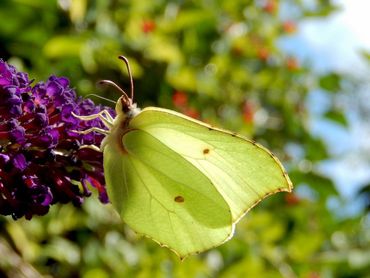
<point>126,105</point>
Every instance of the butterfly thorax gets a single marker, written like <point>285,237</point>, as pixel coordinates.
<point>125,112</point>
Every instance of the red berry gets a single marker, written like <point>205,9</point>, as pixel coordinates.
<point>148,26</point>
<point>292,64</point>
<point>179,99</point>
<point>192,112</point>
<point>248,112</point>
<point>289,27</point>
<point>292,199</point>
<point>263,54</point>
<point>270,6</point>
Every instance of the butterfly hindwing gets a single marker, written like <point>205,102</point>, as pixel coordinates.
<point>163,196</point>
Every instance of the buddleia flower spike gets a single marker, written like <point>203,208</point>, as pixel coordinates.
<point>41,162</point>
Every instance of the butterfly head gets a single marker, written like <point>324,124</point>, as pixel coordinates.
<point>126,107</point>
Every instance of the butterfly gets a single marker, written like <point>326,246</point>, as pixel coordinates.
<point>179,181</point>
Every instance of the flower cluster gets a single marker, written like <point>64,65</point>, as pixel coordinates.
<point>41,159</point>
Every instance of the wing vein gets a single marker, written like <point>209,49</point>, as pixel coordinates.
<point>165,174</point>
<point>146,187</point>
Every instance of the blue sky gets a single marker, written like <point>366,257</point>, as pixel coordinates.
<point>334,43</point>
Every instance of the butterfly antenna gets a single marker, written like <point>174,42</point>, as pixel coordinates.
<point>123,58</point>
<point>97,96</point>
<point>111,83</point>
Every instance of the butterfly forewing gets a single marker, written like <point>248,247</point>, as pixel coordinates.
<point>242,171</point>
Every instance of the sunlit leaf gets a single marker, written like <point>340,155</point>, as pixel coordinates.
<point>337,116</point>
<point>330,82</point>
<point>62,46</point>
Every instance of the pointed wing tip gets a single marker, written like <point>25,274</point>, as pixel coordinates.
<point>289,185</point>
<point>288,189</point>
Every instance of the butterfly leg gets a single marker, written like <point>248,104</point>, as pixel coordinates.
<point>107,115</point>
<point>96,129</point>
<point>103,115</point>
<point>92,147</point>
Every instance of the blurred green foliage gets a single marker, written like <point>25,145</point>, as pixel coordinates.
<point>214,60</point>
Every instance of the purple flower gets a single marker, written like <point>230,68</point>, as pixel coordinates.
<point>41,162</point>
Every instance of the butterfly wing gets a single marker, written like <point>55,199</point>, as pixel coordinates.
<point>242,171</point>
<point>163,196</point>
<point>184,183</point>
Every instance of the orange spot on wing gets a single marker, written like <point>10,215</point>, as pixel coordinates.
<point>179,199</point>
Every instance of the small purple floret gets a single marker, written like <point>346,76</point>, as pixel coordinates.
<point>41,162</point>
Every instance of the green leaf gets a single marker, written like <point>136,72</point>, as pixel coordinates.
<point>303,247</point>
<point>337,116</point>
<point>162,50</point>
<point>182,78</point>
<point>330,82</point>
<point>324,186</point>
<point>192,19</point>
<point>64,46</point>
